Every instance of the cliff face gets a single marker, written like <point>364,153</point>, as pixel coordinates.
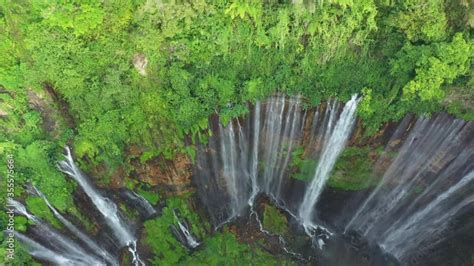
<point>53,110</point>
<point>174,175</point>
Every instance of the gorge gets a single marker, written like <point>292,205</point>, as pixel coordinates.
<point>419,185</point>
<point>237,132</point>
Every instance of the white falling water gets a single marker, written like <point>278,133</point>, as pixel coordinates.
<point>235,178</point>
<point>105,206</point>
<point>190,240</point>
<point>254,160</point>
<point>272,130</point>
<point>60,251</point>
<point>423,189</point>
<point>99,251</point>
<point>43,253</point>
<point>426,142</point>
<point>142,203</point>
<point>434,217</point>
<point>21,209</point>
<point>336,139</point>
<point>290,133</point>
<point>253,155</point>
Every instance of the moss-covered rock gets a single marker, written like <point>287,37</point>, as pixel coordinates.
<point>353,170</point>
<point>274,221</point>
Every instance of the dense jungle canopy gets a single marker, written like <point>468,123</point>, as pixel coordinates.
<point>112,77</point>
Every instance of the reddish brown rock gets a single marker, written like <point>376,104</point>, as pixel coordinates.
<point>174,175</point>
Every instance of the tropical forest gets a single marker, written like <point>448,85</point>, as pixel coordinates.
<point>237,132</point>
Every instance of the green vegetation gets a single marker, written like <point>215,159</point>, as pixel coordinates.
<point>218,249</point>
<point>353,169</point>
<point>103,76</point>
<point>274,221</point>
<point>38,207</point>
<point>224,249</point>
<point>304,167</point>
<point>151,196</point>
<point>167,250</point>
<point>200,57</point>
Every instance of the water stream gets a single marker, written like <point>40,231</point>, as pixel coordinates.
<point>427,185</point>
<point>184,234</point>
<point>424,178</point>
<point>81,249</point>
<point>56,248</point>
<point>423,183</point>
<point>255,158</point>
<point>335,141</point>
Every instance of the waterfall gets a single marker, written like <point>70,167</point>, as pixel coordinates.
<point>425,187</point>
<point>272,128</point>
<point>233,159</point>
<point>60,250</point>
<point>423,184</point>
<point>57,248</point>
<point>426,222</point>
<point>254,160</point>
<point>105,206</point>
<point>43,253</point>
<point>335,140</point>
<point>99,251</point>
<point>79,248</point>
<point>21,209</point>
<point>184,234</point>
<point>138,202</point>
<point>253,155</point>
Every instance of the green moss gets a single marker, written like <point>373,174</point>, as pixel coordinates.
<point>219,249</point>
<point>38,207</point>
<point>224,249</point>
<point>151,196</point>
<point>353,170</point>
<point>304,167</point>
<point>142,189</point>
<point>20,223</point>
<point>85,220</point>
<point>274,220</point>
<point>166,249</point>
<point>131,213</point>
<point>459,110</point>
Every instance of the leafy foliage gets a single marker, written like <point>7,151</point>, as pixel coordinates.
<point>274,220</point>
<point>224,249</point>
<point>201,58</point>
<point>204,57</point>
<point>167,250</point>
<point>304,167</point>
<point>353,170</point>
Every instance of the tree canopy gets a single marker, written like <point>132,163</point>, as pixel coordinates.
<point>104,76</point>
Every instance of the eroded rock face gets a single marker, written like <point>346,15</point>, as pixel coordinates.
<point>44,104</point>
<point>140,62</point>
<point>174,174</point>
<point>117,179</point>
